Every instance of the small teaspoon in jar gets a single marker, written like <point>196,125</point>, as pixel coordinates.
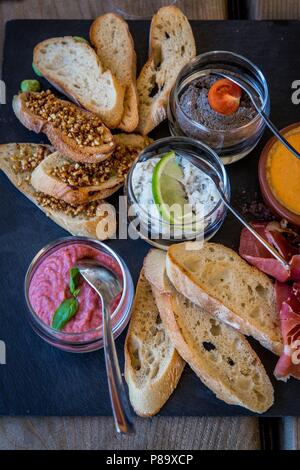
<point>255,99</point>
<point>108,287</point>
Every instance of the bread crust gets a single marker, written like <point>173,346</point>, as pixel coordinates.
<point>47,184</point>
<point>130,117</point>
<point>180,333</point>
<point>158,72</point>
<point>60,141</point>
<point>185,283</point>
<point>43,181</point>
<point>148,399</point>
<point>189,354</point>
<point>79,226</point>
<point>111,117</point>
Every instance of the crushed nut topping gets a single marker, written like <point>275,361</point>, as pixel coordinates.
<point>27,158</point>
<point>93,174</point>
<point>85,129</point>
<point>87,210</point>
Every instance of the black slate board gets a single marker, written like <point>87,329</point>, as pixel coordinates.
<point>41,380</point>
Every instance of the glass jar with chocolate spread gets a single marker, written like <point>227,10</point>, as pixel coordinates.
<point>232,135</point>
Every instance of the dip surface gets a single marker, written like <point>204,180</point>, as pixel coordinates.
<point>201,191</point>
<point>194,102</point>
<point>283,172</point>
<point>49,286</point>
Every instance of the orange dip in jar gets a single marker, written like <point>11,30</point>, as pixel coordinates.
<point>283,172</point>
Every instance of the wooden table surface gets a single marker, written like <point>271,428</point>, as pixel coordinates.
<point>274,9</point>
<point>98,433</point>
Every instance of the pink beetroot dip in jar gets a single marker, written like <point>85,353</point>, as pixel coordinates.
<point>47,285</point>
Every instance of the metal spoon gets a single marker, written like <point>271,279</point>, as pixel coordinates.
<point>216,179</point>
<point>255,99</point>
<point>243,221</point>
<point>106,284</point>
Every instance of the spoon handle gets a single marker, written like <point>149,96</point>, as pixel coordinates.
<point>118,397</point>
<point>276,132</point>
<point>257,104</point>
<point>264,242</point>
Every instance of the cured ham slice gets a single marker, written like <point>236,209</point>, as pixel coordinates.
<point>287,294</point>
<point>281,244</point>
<point>283,292</point>
<point>249,245</point>
<point>289,362</point>
<point>257,255</point>
<point>295,267</point>
<point>269,266</point>
<point>296,290</point>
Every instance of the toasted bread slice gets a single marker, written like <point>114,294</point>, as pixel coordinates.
<point>114,46</point>
<point>96,219</point>
<point>77,134</point>
<point>220,355</point>
<point>44,181</point>
<point>220,281</point>
<point>80,183</point>
<point>74,68</point>
<point>152,365</point>
<point>172,46</point>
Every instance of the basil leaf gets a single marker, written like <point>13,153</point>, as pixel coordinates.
<point>76,292</point>
<point>64,313</point>
<point>74,279</point>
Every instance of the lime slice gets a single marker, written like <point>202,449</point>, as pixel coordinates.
<point>168,192</point>
<point>169,166</point>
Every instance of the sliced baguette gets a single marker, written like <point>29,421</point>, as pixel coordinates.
<point>114,46</point>
<point>60,139</point>
<point>126,152</point>
<point>74,68</point>
<point>220,281</point>
<point>172,46</point>
<point>43,181</point>
<point>102,225</point>
<point>152,365</point>
<point>220,356</point>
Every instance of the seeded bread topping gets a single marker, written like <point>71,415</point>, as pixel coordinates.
<point>93,174</point>
<point>85,128</point>
<point>85,210</point>
<point>27,158</point>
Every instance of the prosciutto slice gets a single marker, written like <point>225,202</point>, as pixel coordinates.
<point>295,267</point>
<point>287,293</point>
<point>289,362</point>
<point>283,292</point>
<point>257,255</point>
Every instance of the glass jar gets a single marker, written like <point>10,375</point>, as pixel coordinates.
<point>230,144</point>
<point>90,340</point>
<point>148,224</point>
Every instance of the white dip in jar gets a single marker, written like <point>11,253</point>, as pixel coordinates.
<point>201,193</point>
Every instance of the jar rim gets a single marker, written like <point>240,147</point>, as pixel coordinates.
<point>177,140</point>
<point>176,89</point>
<point>126,279</point>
